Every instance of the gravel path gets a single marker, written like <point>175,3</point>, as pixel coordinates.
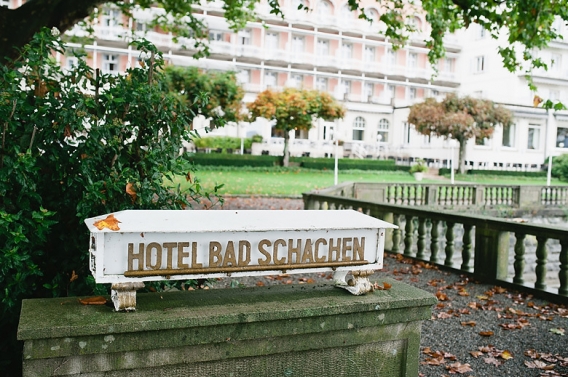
<point>475,330</point>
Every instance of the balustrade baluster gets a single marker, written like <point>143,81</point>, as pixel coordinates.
<point>421,238</point>
<point>467,248</point>
<point>396,234</point>
<point>519,263</point>
<point>449,244</point>
<point>434,241</point>
<point>541,258</point>
<point>408,235</point>
<point>325,206</point>
<point>563,273</point>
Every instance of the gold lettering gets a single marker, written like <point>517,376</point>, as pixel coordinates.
<point>336,249</point>
<point>346,248</point>
<point>275,252</point>
<point>308,255</point>
<point>294,250</point>
<point>215,258</point>
<point>169,246</point>
<point>182,254</point>
<point>194,263</point>
<point>156,246</point>
<point>358,248</point>
<point>261,245</point>
<point>230,258</point>
<point>244,253</point>
<point>139,256</point>
<point>318,242</point>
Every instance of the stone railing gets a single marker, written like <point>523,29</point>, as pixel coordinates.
<point>529,256</point>
<point>456,196</point>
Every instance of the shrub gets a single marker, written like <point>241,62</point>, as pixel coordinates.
<point>222,142</point>
<point>560,167</point>
<point>418,167</point>
<point>219,159</point>
<point>77,144</point>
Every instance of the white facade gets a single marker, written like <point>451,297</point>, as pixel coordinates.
<point>331,49</point>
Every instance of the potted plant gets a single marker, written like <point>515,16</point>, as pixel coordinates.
<point>418,169</point>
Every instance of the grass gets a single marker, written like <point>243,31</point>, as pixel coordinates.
<point>295,181</point>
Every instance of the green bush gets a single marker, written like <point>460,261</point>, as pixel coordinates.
<point>223,142</point>
<point>221,159</point>
<point>560,167</point>
<point>72,142</point>
<point>509,173</point>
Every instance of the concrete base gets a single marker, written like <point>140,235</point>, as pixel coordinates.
<point>301,330</point>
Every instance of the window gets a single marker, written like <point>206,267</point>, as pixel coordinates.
<point>383,131</point>
<point>321,84</point>
<point>449,64</point>
<point>407,131</point>
<point>412,60</point>
<point>346,86</point>
<point>215,35</point>
<point>271,41</point>
<point>324,9</point>
<point>434,93</point>
<point>368,90</point>
<point>390,91</point>
<point>271,79</point>
<point>555,62</point>
<point>296,80</point>
<point>244,37</point>
<point>369,54</point>
<point>533,140</point>
<point>480,32</point>
<point>562,137</point>
<point>322,48</point>
<point>358,128</point>
<point>483,141</point>
<point>412,93</point>
<point>391,57</point>
<point>297,44</point>
<point>110,63</point>
<point>479,64</point>
<point>509,136</point>
<point>243,77</point>
<point>71,62</point>
<point>346,51</point>
<point>110,17</point>
<point>141,26</point>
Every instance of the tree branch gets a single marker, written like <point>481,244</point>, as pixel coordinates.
<point>17,26</point>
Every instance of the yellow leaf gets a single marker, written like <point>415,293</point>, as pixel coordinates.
<point>98,300</point>
<point>130,191</point>
<point>110,222</point>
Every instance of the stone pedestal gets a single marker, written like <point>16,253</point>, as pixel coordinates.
<point>300,330</point>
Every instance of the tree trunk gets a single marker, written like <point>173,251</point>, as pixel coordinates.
<point>286,159</point>
<point>461,162</point>
<point>17,26</point>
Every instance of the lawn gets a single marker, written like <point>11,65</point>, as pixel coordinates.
<point>293,182</point>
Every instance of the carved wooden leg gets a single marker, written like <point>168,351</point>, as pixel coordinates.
<point>360,283</point>
<point>123,296</point>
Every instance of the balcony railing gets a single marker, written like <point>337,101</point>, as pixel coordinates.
<point>512,253</point>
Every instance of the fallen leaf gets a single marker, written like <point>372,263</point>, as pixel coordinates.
<point>476,354</point>
<point>97,300</point>
<point>486,333</point>
<point>468,323</point>
<point>459,368</point>
<point>259,284</point>
<point>130,191</point>
<point>74,277</point>
<point>492,361</point>
<point>506,355</point>
<point>110,222</point>
<point>558,331</point>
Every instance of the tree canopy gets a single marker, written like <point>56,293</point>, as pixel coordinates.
<point>294,109</point>
<point>223,100</point>
<point>459,118</point>
<point>529,24</point>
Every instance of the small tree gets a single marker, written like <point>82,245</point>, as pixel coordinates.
<point>458,118</point>
<point>223,102</point>
<point>294,109</point>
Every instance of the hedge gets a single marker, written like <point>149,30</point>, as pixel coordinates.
<point>509,173</point>
<point>223,159</point>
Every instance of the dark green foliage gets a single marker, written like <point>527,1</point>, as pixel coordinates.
<point>223,159</point>
<point>223,142</point>
<point>71,143</point>
<point>560,167</point>
<point>508,173</point>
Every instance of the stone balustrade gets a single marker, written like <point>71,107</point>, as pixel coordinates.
<point>533,257</point>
